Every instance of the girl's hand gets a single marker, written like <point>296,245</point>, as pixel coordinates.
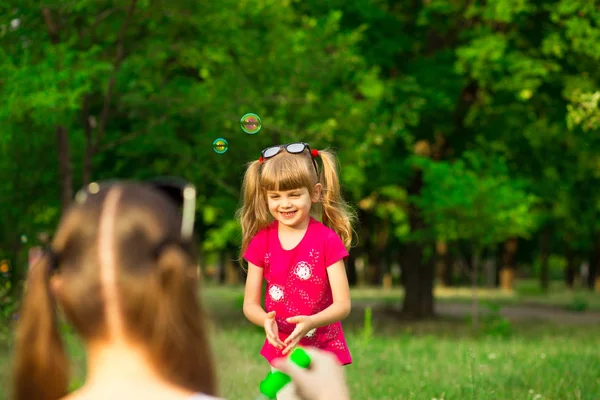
<point>303,325</point>
<point>272,331</point>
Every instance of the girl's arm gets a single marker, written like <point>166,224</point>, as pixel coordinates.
<point>252,296</point>
<point>340,290</point>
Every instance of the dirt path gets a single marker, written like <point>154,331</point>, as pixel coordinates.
<point>514,313</point>
<point>524,313</point>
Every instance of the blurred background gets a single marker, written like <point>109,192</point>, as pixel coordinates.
<point>468,140</point>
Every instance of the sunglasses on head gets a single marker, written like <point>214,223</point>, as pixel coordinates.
<point>292,148</point>
<point>181,192</point>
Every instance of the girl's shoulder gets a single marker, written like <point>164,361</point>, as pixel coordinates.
<point>264,232</point>
<point>321,230</point>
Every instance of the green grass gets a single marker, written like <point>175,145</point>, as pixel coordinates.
<point>430,367</point>
<point>438,359</point>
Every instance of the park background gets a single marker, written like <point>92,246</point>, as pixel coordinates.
<point>468,140</point>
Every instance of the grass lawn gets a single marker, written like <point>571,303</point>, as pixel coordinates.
<point>402,360</point>
<point>430,367</point>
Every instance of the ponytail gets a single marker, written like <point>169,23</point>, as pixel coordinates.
<point>337,214</point>
<point>172,318</point>
<point>40,368</point>
<point>254,214</point>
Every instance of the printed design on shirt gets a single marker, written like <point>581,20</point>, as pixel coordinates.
<point>283,325</point>
<point>291,309</point>
<point>303,270</point>
<point>306,298</point>
<point>314,256</point>
<point>318,280</point>
<point>267,259</point>
<point>276,292</point>
<point>338,345</point>
<point>324,300</point>
<point>332,332</point>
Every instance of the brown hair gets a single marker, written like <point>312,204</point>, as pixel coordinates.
<point>156,286</point>
<point>288,171</point>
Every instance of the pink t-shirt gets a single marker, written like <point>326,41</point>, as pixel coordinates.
<point>297,284</point>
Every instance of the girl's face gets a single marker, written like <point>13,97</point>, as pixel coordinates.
<point>292,207</point>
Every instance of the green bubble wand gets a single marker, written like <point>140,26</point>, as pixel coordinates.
<point>276,380</point>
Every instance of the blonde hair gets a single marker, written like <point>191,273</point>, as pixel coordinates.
<point>287,171</point>
<point>157,286</point>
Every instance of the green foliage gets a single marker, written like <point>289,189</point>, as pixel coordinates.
<point>556,267</point>
<point>389,204</point>
<point>222,236</point>
<point>505,92</point>
<point>584,112</point>
<point>474,199</point>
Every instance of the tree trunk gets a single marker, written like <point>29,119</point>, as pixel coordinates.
<point>64,167</point>
<point>544,256</point>
<point>376,246</point>
<point>418,278</point>
<point>474,283</point>
<point>222,267</point>
<point>465,262</point>
<point>418,273</point>
<point>507,272</point>
<point>444,264</point>
<point>232,273</point>
<point>383,250</point>
<point>490,271</point>
<point>498,254</point>
<point>87,161</point>
<point>351,268</point>
<point>386,269</point>
<point>594,265</point>
<point>373,262</point>
<point>571,268</point>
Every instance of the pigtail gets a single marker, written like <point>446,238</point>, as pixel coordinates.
<point>254,214</point>
<point>40,369</point>
<point>336,213</point>
<point>180,342</point>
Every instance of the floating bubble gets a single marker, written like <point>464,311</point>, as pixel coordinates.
<point>220,145</point>
<point>251,123</point>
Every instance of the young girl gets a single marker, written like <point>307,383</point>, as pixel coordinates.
<point>122,270</point>
<point>301,259</point>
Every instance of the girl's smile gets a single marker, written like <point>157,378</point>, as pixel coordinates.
<point>289,214</point>
<point>291,207</point>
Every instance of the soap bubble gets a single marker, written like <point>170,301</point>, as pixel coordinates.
<point>220,146</point>
<point>251,123</point>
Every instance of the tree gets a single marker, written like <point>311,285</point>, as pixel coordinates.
<point>475,199</point>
